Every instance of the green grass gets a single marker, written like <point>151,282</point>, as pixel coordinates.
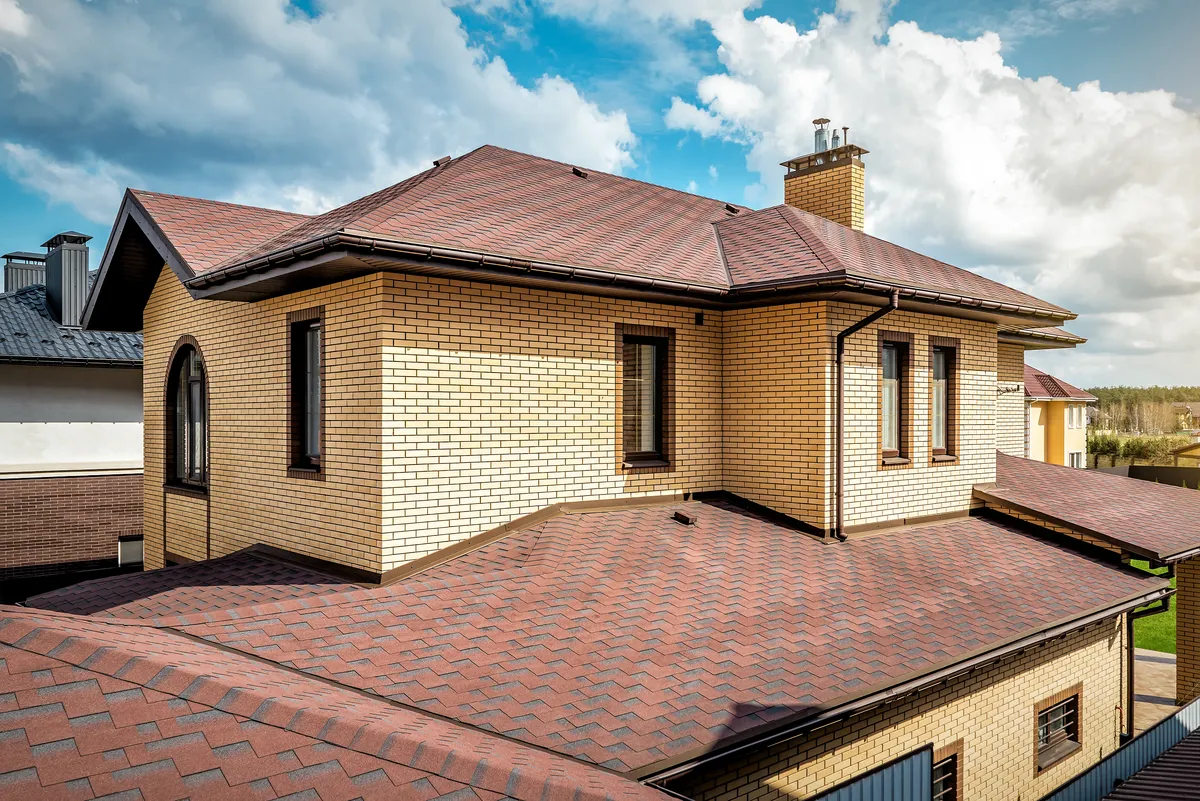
<point>1156,632</point>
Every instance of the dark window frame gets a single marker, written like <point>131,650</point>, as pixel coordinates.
<point>1061,744</point>
<point>193,480</point>
<point>948,756</point>
<point>950,347</point>
<point>660,459</point>
<point>301,462</point>
<point>902,342</point>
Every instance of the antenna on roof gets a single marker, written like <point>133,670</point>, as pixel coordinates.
<point>441,161</point>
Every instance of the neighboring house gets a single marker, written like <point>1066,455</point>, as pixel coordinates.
<point>640,490</point>
<point>70,426</point>
<point>1057,415</point>
<point>1188,414</point>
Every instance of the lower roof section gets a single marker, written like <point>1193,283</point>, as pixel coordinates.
<point>1149,520</point>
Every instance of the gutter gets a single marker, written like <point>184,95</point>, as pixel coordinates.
<point>863,703</point>
<point>840,412</point>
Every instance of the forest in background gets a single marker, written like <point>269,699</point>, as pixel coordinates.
<point>1140,410</point>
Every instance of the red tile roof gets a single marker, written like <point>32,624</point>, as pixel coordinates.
<point>90,708</point>
<point>1039,385</point>
<point>629,640</point>
<point>501,204</point>
<point>1153,520</point>
<point>244,578</point>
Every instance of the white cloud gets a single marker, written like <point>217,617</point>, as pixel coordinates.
<point>260,102</point>
<point>1083,197</point>
<point>93,188</point>
<point>712,171</point>
<point>692,188</point>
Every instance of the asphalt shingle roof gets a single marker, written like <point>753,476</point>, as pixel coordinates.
<point>511,205</point>
<point>92,708</point>
<point>245,578</point>
<point>29,334</point>
<point>1154,520</point>
<point>1044,385</point>
<point>626,639</point>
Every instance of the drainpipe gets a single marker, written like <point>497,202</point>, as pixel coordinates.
<point>840,415</point>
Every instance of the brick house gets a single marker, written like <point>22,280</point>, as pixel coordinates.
<point>522,480</point>
<point>70,428</point>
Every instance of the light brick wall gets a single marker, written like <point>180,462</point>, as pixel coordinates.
<point>992,711</point>
<point>778,408</point>
<point>836,193</point>
<point>875,493</point>
<point>1010,406</point>
<point>499,401</point>
<point>1187,630</point>
<point>246,352</point>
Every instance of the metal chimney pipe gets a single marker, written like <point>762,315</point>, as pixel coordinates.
<point>67,276</point>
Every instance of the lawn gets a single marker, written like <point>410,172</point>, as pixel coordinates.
<point>1156,632</point>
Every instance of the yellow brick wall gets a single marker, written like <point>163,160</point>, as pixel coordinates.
<point>499,401</point>
<point>874,493</point>
<point>1187,630</point>
<point>245,350</point>
<point>1010,405</point>
<point>836,193</point>
<point>991,711</point>
<point>778,408</point>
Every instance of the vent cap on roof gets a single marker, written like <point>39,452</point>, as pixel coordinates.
<point>66,238</point>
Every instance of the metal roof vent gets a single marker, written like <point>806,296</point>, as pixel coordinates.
<point>578,172</point>
<point>732,209</point>
<point>441,161</point>
<point>684,518</point>
<point>821,135</point>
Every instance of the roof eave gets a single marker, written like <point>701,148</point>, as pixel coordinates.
<point>1040,341</point>
<point>51,361</point>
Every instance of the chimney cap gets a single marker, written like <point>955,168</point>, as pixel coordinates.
<point>66,238</point>
<point>24,255</point>
<point>821,121</point>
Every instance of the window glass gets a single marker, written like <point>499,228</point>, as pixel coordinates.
<point>891,398</point>
<point>642,402</point>
<point>189,422</point>
<point>945,779</point>
<point>312,392</point>
<point>940,398</point>
<point>1058,731</point>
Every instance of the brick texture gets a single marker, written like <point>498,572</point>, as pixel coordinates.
<point>52,521</point>
<point>991,711</point>
<point>836,193</point>
<point>1187,630</point>
<point>1010,405</point>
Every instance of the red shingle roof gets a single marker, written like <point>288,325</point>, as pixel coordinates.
<point>503,204</point>
<point>1041,385</point>
<point>90,708</point>
<point>245,578</point>
<point>629,640</point>
<point>1154,520</point>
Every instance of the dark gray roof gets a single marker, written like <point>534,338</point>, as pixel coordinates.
<point>29,334</point>
<point>1174,775</point>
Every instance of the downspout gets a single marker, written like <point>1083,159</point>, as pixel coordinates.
<point>1164,605</point>
<point>840,415</point>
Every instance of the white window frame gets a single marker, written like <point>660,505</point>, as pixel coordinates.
<point>1082,459</point>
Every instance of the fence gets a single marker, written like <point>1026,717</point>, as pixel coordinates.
<point>909,778</point>
<point>1129,758</point>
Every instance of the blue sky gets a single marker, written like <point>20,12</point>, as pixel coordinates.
<point>294,107</point>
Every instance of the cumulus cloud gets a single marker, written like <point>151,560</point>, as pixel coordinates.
<point>1081,196</point>
<point>90,187</point>
<point>259,102</point>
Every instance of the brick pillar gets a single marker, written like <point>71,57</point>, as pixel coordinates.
<point>1187,630</point>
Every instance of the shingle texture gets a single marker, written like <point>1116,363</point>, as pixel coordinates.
<point>627,639</point>
<point>506,204</point>
<point>29,334</point>
<point>244,578</point>
<point>92,709</point>
<point>1043,385</point>
<point>1156,520</point>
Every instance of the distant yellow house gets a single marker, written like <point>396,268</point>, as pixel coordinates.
<point>1056,419</point>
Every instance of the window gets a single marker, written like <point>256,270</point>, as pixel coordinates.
<point>893,400</point>
<point>1058,729</point>
<point>306,378</point>
<point>643,367</point>
<point>945,779</point>
<point>1076,459</point>
<point>187,419</point>
<point>943,411</point>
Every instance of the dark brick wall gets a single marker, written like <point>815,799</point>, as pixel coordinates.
<point>49,522</point>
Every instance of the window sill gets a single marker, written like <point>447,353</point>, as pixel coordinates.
<point>188,490</point>
<point>944,458</point>
<point>644,463</point>
<point>305,472</point>
<point>1057,753</point>
<point>895,461</point>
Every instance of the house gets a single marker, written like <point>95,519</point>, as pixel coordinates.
<point>70,427</point>
<point>1188,413</point>
<point>1056,430</point>
<point>518,479</point>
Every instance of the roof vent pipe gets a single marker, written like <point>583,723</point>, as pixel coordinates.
<point>67,277</point>
<point>820,135</point>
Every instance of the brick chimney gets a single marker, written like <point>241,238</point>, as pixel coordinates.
<point>830,181</point>
<point>67,276</point>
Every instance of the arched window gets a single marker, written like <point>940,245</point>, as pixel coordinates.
<point>187,419</point>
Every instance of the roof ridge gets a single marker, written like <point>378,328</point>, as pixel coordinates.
<point>820,250</point>
<point>141,192</point>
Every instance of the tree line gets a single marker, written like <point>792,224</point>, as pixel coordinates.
<point>1141,410</point>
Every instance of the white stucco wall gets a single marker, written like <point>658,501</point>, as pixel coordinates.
<point>56,419</point>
